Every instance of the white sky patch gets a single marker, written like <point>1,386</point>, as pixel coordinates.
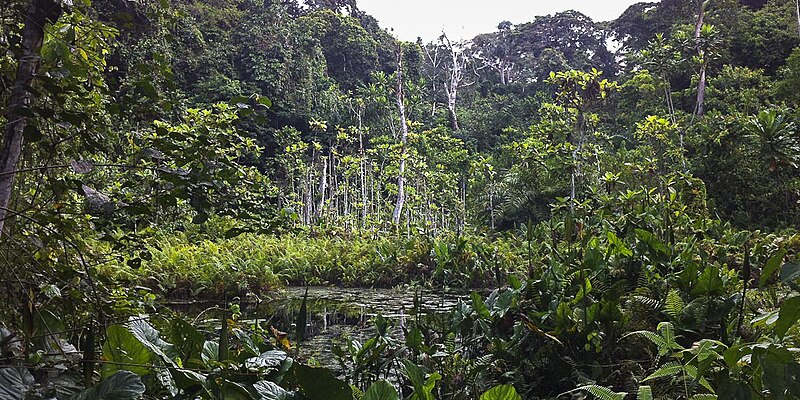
<point>467,18</point>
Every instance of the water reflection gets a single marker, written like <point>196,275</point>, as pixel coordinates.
<point>337,312</point>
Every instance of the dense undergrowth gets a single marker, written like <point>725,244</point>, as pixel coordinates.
<point>184,268</point>
<point>630,293</point>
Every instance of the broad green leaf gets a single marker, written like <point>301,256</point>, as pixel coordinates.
<point>233,232</point>
<point>774,374</point>
<point>618,245</point>
<point>123,351</point>
<point>188,341</point>
<point>150,338</point>
<point>651,240</point>
<point>320,384</point>
<point>793,378</point>
<point>200,218</point>
<point>788,316</point>
<point>14,383</point>
<point>210,351</point>
<point>381,390</point>
<point>233,390</point>
<point>271,391</point>
<point>270,359</point>
<point>790,272</point>
<point>709,282</point>
<point>479,306</point>
<point>123,385</point>
<point>189,380</point>
<point>264,101</point>
<point>691,371</point>
<point>771,266</point>
<point>423,387</point>
<point>501,392</point>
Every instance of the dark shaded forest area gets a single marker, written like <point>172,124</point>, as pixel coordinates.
<point>616,203</point>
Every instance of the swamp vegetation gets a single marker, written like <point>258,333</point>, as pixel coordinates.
<point>255,199</point>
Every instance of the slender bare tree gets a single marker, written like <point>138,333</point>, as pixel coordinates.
<point>401,191</point>
<point>456,77</point>
<point>797,10</point>
<point>701,85</point>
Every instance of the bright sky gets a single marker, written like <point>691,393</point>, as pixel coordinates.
<point>464,19</point>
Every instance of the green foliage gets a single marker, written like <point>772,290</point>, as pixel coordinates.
<point>603,393</point>
<point>256,263</point>
<point>501,392</point>
<point>207,149</point>
<point>16,382</point>
<point>122,385</point>
<point>381,390</point>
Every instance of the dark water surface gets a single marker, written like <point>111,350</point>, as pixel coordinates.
<point>333,314</point>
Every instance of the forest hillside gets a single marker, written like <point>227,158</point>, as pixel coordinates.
<point>275,199</point>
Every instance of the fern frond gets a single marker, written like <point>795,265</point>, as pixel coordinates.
<point>669,369</point>
<point>667,331</point>
<point>651,336</point>
<point>645,393</point>
<point>674,305</point>
<point>485,360</point>
<point>603,393</point>
<point>650,304</point>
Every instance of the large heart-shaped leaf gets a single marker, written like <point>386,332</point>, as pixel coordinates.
<point>271,391</point>
<point>502,392</point>
<point>188,341</point>
<point>123,385</point>
<point>123,351</point>
<point>771,266</point>
<point>381,390</point>
<point>151,339</point>
<point>788,316</point>
<point>270,359</point>
<point>320,384</point>
<point>14,383</point>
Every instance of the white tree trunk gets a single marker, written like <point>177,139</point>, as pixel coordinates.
<point>323,187</point>
<point>797,10</point>
<point>701,85</point>
<point>401,193</point>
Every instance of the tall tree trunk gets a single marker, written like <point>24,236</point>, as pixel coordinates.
<point>452,92</point>
<point>701,85</point>
<point>455,81</point>
<point>668,98</point>
<point>362,168</point>
<point>701,91</point>
<point>797,10</point>
<point>401,190</point>
<point>38,14</point>
<point>323,187</point>
<point>451,110</point>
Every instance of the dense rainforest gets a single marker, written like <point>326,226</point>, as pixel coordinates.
<point>613,206</point>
